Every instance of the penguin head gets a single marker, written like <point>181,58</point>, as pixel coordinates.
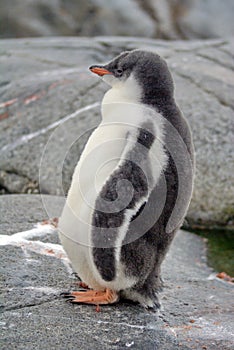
<point>147,69</point>
<point>116,72</point>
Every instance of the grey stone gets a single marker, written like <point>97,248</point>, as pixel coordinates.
<point>195,312</point>
<point>166,15</point>
<point>119,18</point>
<point>50,105</point>
<point>71,17</point>
<point>168,19</point>
<point>22,212</point>
<point>207,19</point>
<point>191,19</point>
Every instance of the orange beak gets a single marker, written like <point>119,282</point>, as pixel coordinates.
<point>99,70</point>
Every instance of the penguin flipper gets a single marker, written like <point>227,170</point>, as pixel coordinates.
<point>119,201</point>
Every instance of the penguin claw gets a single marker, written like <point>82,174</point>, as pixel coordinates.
<point>75,274</point>
<point>154,308</point>
<point>70,300</point>
<point>65,294</point>
<point>83,287</point>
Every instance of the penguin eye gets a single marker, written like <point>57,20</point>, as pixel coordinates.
<point>119,72</point>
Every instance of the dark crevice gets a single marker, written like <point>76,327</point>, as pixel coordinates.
<point>4,190</point>
<point>16,172</point>
<point>226,52</point>
<point>31,186</point>
<point>4,83</point>
<point>218,44</point>
<point>20,307</point>
<point>214,60</point>
<point>149,11</point>
<point>159,32</point>
<point>200,45</point>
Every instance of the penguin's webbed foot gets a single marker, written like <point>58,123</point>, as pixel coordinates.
<point>94,297</point>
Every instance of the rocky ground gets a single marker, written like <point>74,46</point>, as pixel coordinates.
<point>50,104</point>
<point>196,307</point>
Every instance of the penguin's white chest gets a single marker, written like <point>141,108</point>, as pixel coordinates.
<point>97,162</point>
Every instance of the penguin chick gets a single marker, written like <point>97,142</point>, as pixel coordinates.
<point>132,185</point>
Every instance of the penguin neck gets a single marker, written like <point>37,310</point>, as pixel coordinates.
<point>120,99</point>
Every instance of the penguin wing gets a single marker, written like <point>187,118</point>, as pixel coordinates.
<point>124,193</point>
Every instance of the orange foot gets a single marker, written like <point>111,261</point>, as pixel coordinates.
<point>94,297</point>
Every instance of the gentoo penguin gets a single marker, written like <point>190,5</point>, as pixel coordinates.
<point>132,185</point>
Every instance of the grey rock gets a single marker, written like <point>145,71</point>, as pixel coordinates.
<point>21,212</point>
<point>119,18</point>
<point>191,19</point>
<point>195,310</point>
<point>207,19</point>
<point>168,19</point>
<point>72,17</point>
<point>166,15</point>
<point>50,104</point>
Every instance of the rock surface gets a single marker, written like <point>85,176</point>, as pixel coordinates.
<point>195,314</point>
<point>168,19</point>
<point>197,19</point>
<point>50,104</point>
